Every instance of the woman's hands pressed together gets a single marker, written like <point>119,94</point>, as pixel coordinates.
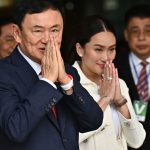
<point>110,88</point>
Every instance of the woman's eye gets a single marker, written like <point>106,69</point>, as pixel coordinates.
<point>98,49</point>
<point>112,49</point>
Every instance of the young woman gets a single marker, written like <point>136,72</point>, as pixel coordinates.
<point>95,44</point>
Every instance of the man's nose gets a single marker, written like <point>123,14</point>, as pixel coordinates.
<point>141,35</point>
<point>45,37</point>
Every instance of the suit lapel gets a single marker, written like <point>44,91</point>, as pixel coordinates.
<point>23,69</point>
<point>61,116</point>
<point>54,121</point>
<point>28,76</point>
<point>122,63</point>
<point>61,120</point>
<point>61,110</point>
<point>130,82</point>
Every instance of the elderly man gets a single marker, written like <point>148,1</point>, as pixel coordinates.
<point>42,104</point>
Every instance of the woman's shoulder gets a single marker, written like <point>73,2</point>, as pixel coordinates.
<point>123,84</point>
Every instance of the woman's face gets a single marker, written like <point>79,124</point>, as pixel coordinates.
<point>95,53</point>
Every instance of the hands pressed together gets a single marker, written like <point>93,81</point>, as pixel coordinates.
<point>110,87</point>
<point>52,63</point>
<point>53,67</point>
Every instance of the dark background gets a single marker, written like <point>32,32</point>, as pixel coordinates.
<point>76,10</point>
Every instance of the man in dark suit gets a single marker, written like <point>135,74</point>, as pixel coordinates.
<point>42,104</point>
<point>128,61</point>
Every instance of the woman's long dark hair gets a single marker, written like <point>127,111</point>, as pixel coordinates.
<point>84,31</point>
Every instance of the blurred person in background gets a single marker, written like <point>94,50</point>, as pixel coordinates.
<point>7,41</point>
<point>133,63</point>
<point>94,45</point>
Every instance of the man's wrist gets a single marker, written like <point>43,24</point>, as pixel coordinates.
<point>69,85</point>
<point>50,82</point>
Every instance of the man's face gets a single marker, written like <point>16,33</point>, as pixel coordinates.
<point>137,35</point>
<point>35,32</point>
<point>7,41</point>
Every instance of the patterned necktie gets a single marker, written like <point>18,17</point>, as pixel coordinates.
<point>142,85</point>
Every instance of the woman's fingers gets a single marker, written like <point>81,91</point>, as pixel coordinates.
<point>108,82</point>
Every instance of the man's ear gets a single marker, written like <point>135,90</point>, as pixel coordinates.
<point>125,34</point>
<point>16,33</point>
<point>79,49</point>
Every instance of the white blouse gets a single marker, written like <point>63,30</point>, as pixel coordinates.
<point>116,131</point>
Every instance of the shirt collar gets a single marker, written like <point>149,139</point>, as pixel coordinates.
<point>34,65</point>
<point>83,79</point>
<point>137,61</point>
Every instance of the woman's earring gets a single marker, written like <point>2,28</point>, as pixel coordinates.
<point>80,55</point>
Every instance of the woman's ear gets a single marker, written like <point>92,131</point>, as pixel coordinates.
<point>79,49</point>
<point>16,33</point>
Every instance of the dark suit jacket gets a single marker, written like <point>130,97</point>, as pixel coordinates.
<point>124,70</point>
<point>26,119</point>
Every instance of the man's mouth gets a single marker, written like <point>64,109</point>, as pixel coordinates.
<point>141,46</point>
<point>42,48</point>
<point>101,66</point>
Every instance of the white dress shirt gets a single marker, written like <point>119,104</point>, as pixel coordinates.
<point>135,64</point>
<point>36,67</point>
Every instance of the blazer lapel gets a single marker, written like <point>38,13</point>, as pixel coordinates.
<point>23,69</point>
<point>28,76</point>
<point>61,110</point>
<point>54,121</point>
<point>130,83</point>
<point>61,116</point>
<point>126,74</point>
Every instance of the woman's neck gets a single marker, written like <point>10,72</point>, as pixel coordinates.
<point>91,75</point>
